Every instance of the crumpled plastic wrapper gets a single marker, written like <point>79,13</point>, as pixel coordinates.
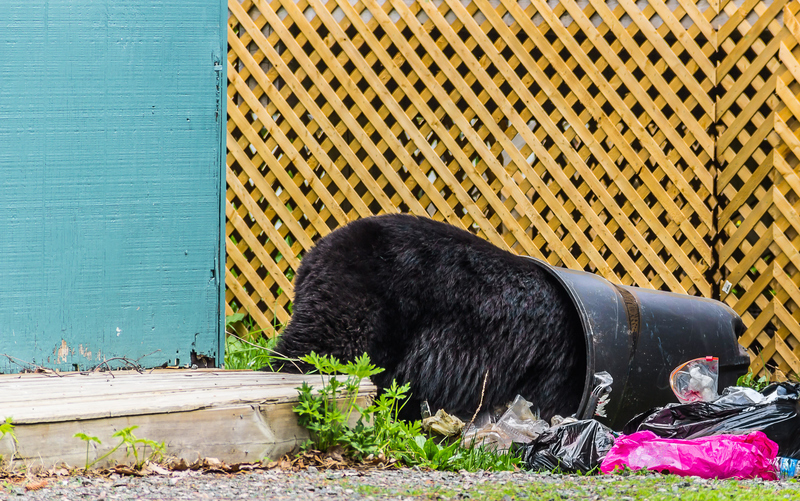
<point>558,420</point>
<point>517,424</point>
<point>443,424</point>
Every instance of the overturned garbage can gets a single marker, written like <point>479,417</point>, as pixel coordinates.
<point>640,335</point>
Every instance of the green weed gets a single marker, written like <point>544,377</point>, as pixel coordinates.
<point>131,443</point>
<point>247,348</point>
<point>7,428</point>
<point>652,487</point>
<point>327,413</point>
<point>325,417</point>
<point>749,380</point>
<point>479,458</point>
<point>86,438</point>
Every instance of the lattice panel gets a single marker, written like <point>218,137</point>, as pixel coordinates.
<point>572,132</point>
<point>758,188</point>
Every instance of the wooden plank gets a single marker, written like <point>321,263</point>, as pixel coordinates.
<point>700,21</point>
<point>743,118</point>
<point>729,171</point>
<point>233,416</point>
<point>735,19</point>
<point>752,70</point>
<point>266,190</point>
<point>308,139</point>
<point>619,106</point>
<point>735,56</point>
<point>233,285</point>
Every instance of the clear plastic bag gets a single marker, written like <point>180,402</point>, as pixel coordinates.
<point>721,456</point>
<point>517,424</point>
<point>696,380</point>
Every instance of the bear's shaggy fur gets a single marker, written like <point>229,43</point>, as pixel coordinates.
<point>439,307</point>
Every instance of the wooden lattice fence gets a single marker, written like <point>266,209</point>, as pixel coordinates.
<point>652,142</point>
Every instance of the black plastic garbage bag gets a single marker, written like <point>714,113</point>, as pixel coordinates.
<point>579,446</point>
<point>778,416</point>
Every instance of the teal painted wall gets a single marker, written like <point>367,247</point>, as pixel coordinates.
<point>111,181</point>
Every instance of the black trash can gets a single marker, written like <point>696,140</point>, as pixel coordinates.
<point>640,335</point>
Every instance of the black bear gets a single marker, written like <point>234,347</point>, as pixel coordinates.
<point>439,307</point>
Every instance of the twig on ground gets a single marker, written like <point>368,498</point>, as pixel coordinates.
<point>480,404</point>
<point>30,366</point>
<point>133,364</point>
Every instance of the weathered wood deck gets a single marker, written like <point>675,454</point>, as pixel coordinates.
<point>234,416</point>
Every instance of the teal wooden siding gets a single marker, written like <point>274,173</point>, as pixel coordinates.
<point>111,181</point>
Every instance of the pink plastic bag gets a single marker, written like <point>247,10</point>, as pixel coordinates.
<point>718,456</point>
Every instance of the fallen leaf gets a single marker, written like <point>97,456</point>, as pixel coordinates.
<point>154,469</point>
<point>35,486</point>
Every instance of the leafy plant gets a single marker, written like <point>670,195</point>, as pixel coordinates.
<point>327,413</point>
<point>325,417</point>
<point>749,380</point>
<point>6,428</point>
<point>391,432</point>
<point>251,355</point>
<point>86,438</point>
<point>131,442</point>
<point>429,453</point>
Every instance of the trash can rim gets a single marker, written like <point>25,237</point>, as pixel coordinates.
<point>588,334</point>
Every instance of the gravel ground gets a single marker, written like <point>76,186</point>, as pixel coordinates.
<point>404,484</point>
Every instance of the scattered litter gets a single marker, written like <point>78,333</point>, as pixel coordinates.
<point>787,468</point>
<point>696,380</point>
<point>574,447</point>
<point>559,420</point>
<point>738,395</point>
<point>775,411</point>
<point>443,424</point>
<point>425,409</point>
<point>517,424</point>
<point>600,396</point>
<point>721,456</point>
